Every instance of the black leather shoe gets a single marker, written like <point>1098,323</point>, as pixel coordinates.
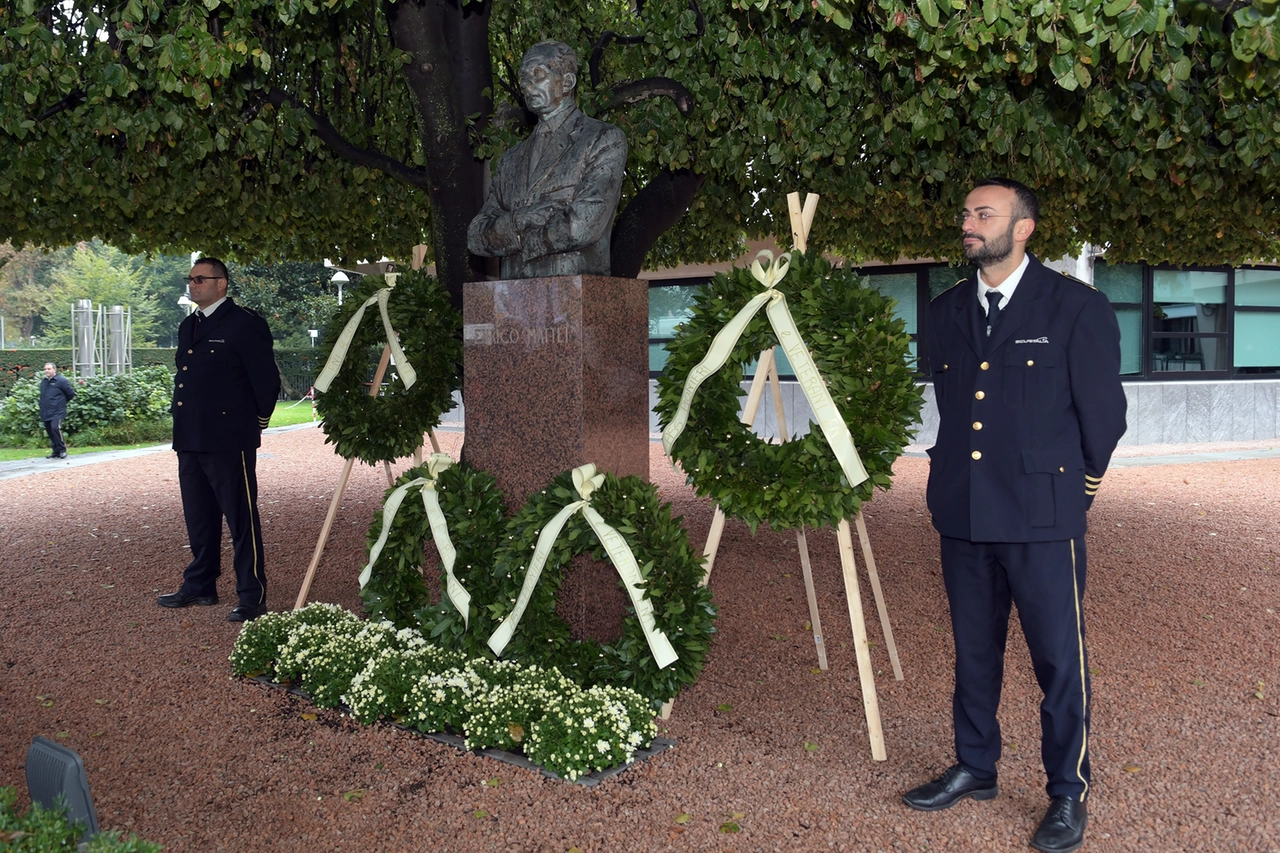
<point>182,599</point>
<point>948,789</point>
<point>246,612</point>
<point>1062,829</point>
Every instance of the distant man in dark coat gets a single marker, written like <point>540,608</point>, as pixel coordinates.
<point>224,392</point>
<point>55,392</point>
<point>551,205</point>
<point>1026,370</point>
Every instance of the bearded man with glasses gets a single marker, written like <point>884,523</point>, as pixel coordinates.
<point>224,392</point>
<point>1025,365</point>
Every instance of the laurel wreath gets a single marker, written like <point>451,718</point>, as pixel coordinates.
<point>472,507</point>
<point>672,571</point>
<point>858,347</point>
<point>391,425</point>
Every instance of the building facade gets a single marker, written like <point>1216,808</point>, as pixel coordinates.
<point>1200,347</point>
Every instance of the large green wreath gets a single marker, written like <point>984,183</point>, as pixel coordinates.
<point>391,425</point>
<point>672,570</point>
<point>858,347</point>
<point>472,507</point>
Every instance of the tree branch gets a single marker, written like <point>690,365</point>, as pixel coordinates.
<point>330,136</point>
<point>597,50</point>
<point>654,210</point>
<point>651,87</point>
<point>71,101</point>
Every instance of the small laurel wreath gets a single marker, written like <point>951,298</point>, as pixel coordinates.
<point>472,507</point>
<point>860,350</point>
<point>391,425</point>
<point>671,569</point>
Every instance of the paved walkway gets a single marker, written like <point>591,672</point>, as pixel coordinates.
<point>1127,456</point>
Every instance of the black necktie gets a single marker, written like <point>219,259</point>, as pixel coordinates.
<point>195,326</point>
<point>993,309</point>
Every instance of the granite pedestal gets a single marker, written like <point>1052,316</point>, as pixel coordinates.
<point>555,374</point>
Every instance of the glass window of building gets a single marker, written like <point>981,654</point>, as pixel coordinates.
<point>1122,285</point>
<point>1188,321</point>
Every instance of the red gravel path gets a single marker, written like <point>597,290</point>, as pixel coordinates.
<point>1184,620</point>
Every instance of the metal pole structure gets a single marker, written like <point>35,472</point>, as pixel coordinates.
<point>115,344</point>
<point>83,338</point>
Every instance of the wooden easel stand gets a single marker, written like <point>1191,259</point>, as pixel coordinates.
<point>323,540</point>
<point>767,370</point>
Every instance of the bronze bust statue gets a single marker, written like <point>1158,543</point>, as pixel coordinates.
<point>551,204</point>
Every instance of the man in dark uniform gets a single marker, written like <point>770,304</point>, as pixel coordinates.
<point>224,393</point>
<point>1026,371</point>
<point>55,393</point>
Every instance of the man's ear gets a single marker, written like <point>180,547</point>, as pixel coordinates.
<point>569,81</point>
<point>1023,229</point>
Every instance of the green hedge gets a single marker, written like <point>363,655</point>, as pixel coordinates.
<point>140,397</point>
<point>18,364</point>
<point>298,367</point>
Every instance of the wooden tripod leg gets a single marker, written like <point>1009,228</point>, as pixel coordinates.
<point>865,674</point>
<point>435,445</point>
<point>374,386</point>
<point>391,479</point>
<point>875,589</point>
<point>758,381</point>
<point>324,534</point>
<point>713,543</point>
<point>803,545</point>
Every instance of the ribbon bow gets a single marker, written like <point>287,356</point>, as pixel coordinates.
<point>810,380</point>
<point>770,273</point>
<point>586,481</point>
<point>435,465</point>
<point>343,343</point>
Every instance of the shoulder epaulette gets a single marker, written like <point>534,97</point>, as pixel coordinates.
<point>949,289</point>
<point>1070,277</point>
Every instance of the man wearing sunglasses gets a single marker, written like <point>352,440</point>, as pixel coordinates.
<point>224,392</point>
<point>1026,371</point>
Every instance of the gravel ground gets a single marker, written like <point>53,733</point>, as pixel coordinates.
<point>1183,604</point>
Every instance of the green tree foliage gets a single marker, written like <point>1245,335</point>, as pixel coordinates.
<point>299,129</point>
<point>24,290</point>
<point>107,277</point>
<point>292,297</point>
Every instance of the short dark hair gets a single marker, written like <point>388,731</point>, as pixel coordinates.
<point>1025,204</point>
<point>218,267</point>
<point>556,55</point>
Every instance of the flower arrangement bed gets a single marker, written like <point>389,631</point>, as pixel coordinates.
<point>375,672</point>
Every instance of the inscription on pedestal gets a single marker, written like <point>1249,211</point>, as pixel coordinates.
<point>555,374</point>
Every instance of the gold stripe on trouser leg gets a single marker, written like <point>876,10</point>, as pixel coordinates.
<point>1084,693</point>
<point>252,534</point>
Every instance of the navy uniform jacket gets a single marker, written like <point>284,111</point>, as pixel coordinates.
<point>227,382</point>
<point>1028,417</point>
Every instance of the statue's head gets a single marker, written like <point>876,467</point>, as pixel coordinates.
<point>548,74</point>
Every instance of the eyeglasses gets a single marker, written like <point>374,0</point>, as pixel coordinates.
<point>982,216</point>
<point>201,279</point>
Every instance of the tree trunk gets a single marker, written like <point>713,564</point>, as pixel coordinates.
<point>449,72</point>
<point>655,208</point>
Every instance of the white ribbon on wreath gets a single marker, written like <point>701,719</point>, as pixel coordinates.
<point>811,382</point>
<point>586,481</point>
<point>343,343</point>
<point>436,463</point>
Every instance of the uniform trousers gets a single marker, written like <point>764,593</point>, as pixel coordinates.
<point>53,427</point>
<point>214,486</point>
<point>1046,581</point>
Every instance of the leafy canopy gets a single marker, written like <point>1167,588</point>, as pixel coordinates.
<point>304,129</point>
